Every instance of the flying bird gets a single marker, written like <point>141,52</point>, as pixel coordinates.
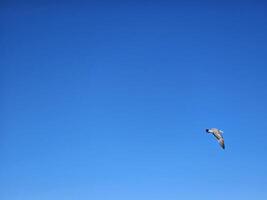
<point>218,135</point>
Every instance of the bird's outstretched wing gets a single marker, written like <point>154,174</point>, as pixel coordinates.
<point>221,141</point>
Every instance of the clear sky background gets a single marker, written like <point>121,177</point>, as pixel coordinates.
<point>110,100</point>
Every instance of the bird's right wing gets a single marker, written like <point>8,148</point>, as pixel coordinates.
<point>221,141</point>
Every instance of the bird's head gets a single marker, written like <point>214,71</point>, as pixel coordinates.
<point>207,130</point>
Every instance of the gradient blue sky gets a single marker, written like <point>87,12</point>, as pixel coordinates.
<point>110,100</point>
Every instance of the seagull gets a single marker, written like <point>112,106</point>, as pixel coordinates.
<point>218,134</point>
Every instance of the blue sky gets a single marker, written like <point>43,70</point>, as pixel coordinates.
<point>110,100</point>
